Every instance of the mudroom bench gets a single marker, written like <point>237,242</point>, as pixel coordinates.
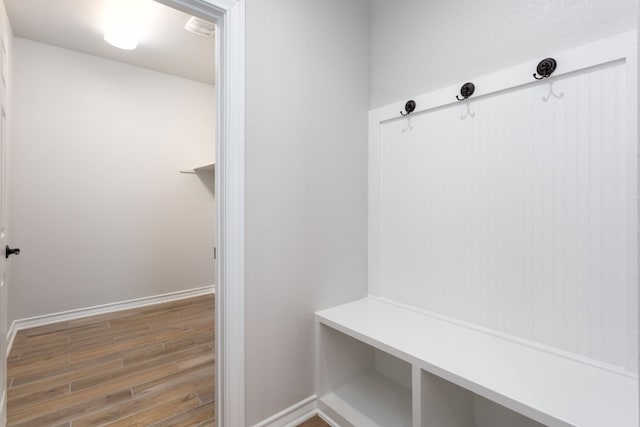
<point>382,364</point>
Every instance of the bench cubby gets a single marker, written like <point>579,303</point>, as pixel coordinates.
<point>361,384</point>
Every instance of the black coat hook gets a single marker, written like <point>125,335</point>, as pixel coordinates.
<point>546,67</point>
<point>466,91</point>
<point>409,107</point>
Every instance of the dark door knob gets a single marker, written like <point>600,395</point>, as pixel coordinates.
<point>8,251</point>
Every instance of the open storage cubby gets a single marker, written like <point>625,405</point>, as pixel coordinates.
<point>361,385</point>
<point>445,404</point>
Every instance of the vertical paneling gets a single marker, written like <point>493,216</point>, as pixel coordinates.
<point>516,217</point>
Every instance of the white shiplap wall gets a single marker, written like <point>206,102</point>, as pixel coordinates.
<point>519,217</point>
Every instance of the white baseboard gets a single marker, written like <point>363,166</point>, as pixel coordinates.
<point>326,419</point>
<point>309,415</point>
<point>293,415</point>
<point>47,319</point>
<point>296,414</point>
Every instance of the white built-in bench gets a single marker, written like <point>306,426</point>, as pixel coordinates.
<point>515,210</point>
<point>380,364</point>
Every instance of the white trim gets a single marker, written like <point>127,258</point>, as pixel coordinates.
<point>513,338</point>
<point>229,16</point>
<point>311,414</point>
<point>306,417</point>
<point>230,188</point>
<point>3,407</point>
<point>206,9</point>
<point>327,419</point>
<point>11,336</point>
<point>604,51</point>
<point>294,415</point>
<point>47,319</point>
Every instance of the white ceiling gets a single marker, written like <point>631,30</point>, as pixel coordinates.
<point>78,25</point>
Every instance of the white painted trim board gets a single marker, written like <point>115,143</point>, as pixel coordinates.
<point>47,319</point>
<point>309,415</point>
<point>296,414</point>
<point>230,167</point>
<point>518,340</point>
<point>587,56</point>
<point>3,415</point>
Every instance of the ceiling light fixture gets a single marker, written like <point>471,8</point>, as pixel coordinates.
<point>125,22</point>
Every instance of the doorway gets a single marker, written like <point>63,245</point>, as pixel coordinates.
<point>122,177</point>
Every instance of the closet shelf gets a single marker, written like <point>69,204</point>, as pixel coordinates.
<point>209,167</point>
<point>547,387</point>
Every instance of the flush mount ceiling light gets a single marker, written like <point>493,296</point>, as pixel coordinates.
<point>125,22</point>
<point>200,27</point>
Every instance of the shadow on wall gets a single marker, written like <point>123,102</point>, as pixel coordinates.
<point>209,181</point>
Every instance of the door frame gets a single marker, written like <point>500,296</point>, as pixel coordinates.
<point>229,188</point>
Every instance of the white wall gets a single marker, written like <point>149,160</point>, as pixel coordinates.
<point>418,46</point>
<point>99,208</point>
<point>306,180</point>
<point>307,92</point>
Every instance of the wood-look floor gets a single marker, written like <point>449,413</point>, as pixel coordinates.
<point>315,422</point>
<point>152,366</point>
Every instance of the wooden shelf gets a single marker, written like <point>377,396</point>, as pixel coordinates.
<point>372,400</point>
<point>209,167</point>
<point>550,388</point>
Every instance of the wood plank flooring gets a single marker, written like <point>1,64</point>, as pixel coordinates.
<point>152,366</point>
<point>315,422</point>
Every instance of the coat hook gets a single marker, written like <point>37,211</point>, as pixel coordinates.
<point>546,67</point>
<point>409,107</point>
<point>466,91</point>
<point>469,113</point>
<point>552,93</point>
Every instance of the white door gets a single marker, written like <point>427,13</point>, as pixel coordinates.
<point>3,264</point>
<point>3,235</point>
